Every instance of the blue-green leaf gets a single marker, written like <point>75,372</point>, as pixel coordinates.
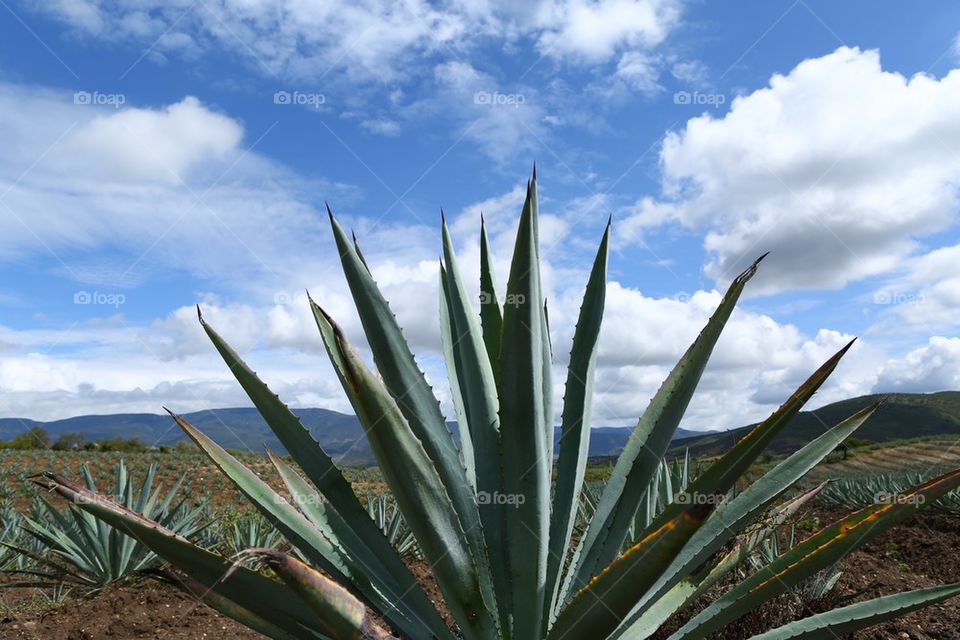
<point>575,420</point>
<point>527,462</point>
<point>644,449</point>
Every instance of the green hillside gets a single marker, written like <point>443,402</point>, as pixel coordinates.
<point>905,415</point>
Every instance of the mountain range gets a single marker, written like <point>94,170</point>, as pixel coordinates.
<point>903,416</point>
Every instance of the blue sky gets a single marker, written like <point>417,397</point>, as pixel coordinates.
<point>162,154</point>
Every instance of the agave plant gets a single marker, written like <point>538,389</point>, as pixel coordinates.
<point>247,531</point>
<point>386,514</point>
<point>493,526</point>
<point>670,481</point>
<point>75,547</point>
<point>9,535</point>
<point>773,547</point>
<point>857,491</point>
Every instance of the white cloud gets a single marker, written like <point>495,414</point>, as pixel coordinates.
<point>836,168</point>
<point>355,52</point>
<point>123,367</point>
<point>503,121</point>
<point>114,196</point>
<point>377,41</point>
<point>595,31</point>
<point>640,71</point>
<point>117,366</point>
<point>924,298</point>
<point>382,126</point>
<point>934,367</point>
<point>757,364</point>
<point>147,144</point>
<point>692,72</point>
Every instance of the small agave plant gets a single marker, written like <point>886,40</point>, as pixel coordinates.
<point>488,518</point>
<point>74,547</point>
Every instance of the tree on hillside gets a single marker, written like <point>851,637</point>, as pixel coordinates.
<point>32,438</point>
<point>69,442</point>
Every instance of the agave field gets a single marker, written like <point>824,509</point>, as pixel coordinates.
<point>910,455</point>
<point>494,539</point>
<point>202,481</point>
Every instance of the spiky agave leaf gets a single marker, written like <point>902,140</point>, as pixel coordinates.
<point>344,617</point>
<point>527,460</point>
<point>646,446</point>
<point>814,554</point>
<point>575,422</point>
<point>419,489</point>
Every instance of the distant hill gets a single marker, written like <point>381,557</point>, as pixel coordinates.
<point>905,415</point>
<point>233,428</point>
<point>243,428</point>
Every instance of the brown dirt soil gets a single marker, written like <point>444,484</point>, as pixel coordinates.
<point>922,552</point>
<point>148,612</point>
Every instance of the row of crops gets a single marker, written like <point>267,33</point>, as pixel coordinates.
<point>202,482</point>
<point>62,549</point>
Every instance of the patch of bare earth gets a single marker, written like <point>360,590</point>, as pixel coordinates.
<point>923,552</point>
<point>148,612</point>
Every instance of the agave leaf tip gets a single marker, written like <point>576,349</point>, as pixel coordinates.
<point>751,270</point>
<point>847,346</point>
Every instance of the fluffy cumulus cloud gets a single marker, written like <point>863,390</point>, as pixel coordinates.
<point>923,297</point>
<point>147,144</point>
<point>146,189</point>
<point>837,167</point>
<point>597,30</point>
<point>933,367</point>
<point>120,366</point>
<point>757,364</point>
<point>126,379</point>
